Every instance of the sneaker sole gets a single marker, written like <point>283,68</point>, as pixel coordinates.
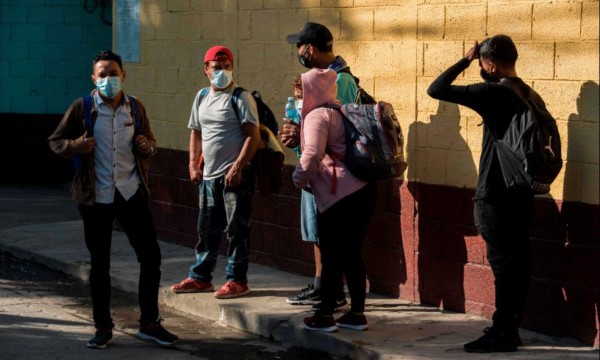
<point>326,329</point>
<point>231,296</point>
<point>96,346</point>
<point>190,291</point>
<point>302,302</point>
<point>145,337</point>
<point>353,327</point>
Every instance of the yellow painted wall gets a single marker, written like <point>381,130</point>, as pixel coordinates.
<point>397,48</point>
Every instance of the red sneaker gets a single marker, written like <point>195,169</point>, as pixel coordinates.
<point>352,321</point>
<point>318,322</point>
<point>190,285</point>
<point>232,289</point>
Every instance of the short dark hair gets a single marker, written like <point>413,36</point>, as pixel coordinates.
<point>499,48</point>
<point>107,55</point>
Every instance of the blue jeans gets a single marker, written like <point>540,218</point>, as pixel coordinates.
<point>224,209</point>
<point>308,217</point>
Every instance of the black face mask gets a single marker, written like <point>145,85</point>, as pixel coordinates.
<point>304,61</point>
<point>487,77</point>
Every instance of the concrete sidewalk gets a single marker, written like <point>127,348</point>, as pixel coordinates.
<point>41,223</point>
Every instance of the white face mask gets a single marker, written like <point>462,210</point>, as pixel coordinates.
<point>221,78</point>
<point>299,107</point>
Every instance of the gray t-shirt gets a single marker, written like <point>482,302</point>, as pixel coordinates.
<point>222,135</point>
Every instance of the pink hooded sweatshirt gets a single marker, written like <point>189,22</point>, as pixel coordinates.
<point>323,128</point>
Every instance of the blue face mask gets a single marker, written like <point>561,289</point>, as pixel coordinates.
<point>221,78</point>
<point>109,86</point>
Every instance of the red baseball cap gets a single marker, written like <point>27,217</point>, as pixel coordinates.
<point>211,54</point>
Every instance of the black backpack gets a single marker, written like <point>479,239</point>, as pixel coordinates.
<point>362,96</point>
<point>530,151</point>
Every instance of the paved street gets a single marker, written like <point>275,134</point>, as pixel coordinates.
<point>46,315</point>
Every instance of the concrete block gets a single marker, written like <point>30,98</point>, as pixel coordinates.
<point>166,26</point>
<point>395,23</point>
<point>166,133</point>
<point>440,55</point>
<point>29,33</point>
<point>277,54</point>
<point>466,22</point>
<point>431,166</point>
<point>277,4</point>
<point>189,26</point>
<point>556,20</point>
<point>577,61</point>
<point>305,4</point>
<point>30,104</point>
<point>513,19</point>
<point>588,102</point>
<point>49,87</point>
<point>178,5</point>
<point>178,110</point>
<point>11,14</point>
<point>45,15</point>
<point>265,26</point>
<point>203,5</point>
<point>291,21</point>
<point>589,20</point>
<point>167,80</point>
<point>445,132</point>
<point>74,15</point>
<point>148,28</point>
<point>47,52</point>
<point>373,3</point>
<point>5,104</point>
<point>190,80</point>
<point>375,52</point>
<point>536,60</point>
<point>425,103</point>
<point>474,132</point>
<point>156,109</point>
<point>461,170</point>
<point>212,26</point>
<point>560,98</point>
<point>250,5</point>
<point>357,24</point>
<point>430,22</point>
<point>27,69</point>
<point>404,54</point>
<point>590,183</point>
<point>244,25</point>
<point>251,56</point>
<point>153,7</point>
<point>582,143</point>
<point>140,79</point>
<point>337,3</point>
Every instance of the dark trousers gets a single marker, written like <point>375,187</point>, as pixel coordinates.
<point>342,230</point>
<point>135,219</point>
<point>504,223</point>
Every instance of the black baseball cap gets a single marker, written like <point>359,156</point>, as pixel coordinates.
<point>314,34</point>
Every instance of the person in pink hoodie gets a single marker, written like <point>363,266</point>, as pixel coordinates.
<point>345,203</point>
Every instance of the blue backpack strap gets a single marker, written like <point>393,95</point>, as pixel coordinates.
<point>235,97</point>
<point>136,114</point>
<point>87,111</point>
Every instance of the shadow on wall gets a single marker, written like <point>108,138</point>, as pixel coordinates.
<point>443,216</point>
<point>566,243</point>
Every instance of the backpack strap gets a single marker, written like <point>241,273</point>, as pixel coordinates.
<point>234,99</point>
<point>87,112</point>
<point>136,115</point>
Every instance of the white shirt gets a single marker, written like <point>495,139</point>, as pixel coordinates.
<point>114,161</point>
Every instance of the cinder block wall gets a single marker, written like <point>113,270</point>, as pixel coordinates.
<point>422,245</point>
<point>46,50</point>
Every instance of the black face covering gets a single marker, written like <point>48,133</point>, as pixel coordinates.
<point>487,77</point>
<point>304,61</point>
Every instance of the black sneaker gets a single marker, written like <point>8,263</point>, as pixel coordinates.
<point>155,332</point>
<point>308,296</point>
<point>493,341</point>
<point>100,339</point>
<point>340,305</point>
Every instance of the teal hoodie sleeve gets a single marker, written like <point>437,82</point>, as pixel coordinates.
<point>346,88</point>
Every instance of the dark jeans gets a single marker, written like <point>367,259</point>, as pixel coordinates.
<point>224,209</point>
<point>504,223</point>
<point>135,219</point>
<point>342,230</point>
